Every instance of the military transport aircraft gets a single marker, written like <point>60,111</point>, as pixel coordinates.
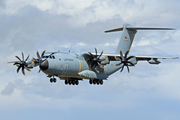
<point>96,67</point>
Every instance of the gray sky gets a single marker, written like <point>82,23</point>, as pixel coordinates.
<point>147,92</point>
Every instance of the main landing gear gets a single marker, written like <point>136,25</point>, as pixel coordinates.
<point>53,80</point>
<point>73,82</point>
<point>96,81</point>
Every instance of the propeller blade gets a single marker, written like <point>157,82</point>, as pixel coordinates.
<point>16,63</point>
<point>131,63</point>
<point>96,51</point>
<point>118,59</point>
<point>122,68</point>
<point>43,53</point>
<point>96,70</point>
<point>129,58</point>
<point>100,54</point>
<point>100,65</point>
<point>128,69</point>
<point>18,69</point>
<point>23,71</point>
<point>126,54</point>
<point>37,53</point>
<point>27,57</point>
<point>18,58</point>
<point>22,56</point>
<point>39,71</point>
<point>27,68</point>
<point>100,60</point>
<point>121,54</point>
<point>90,53</point>
<point>117,64</point>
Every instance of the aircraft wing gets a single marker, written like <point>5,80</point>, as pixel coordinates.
<point>111,57</point>
<point>114,56</point>
<point>152,57</point>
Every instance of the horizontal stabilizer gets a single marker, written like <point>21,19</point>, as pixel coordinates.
<point>114,30</point>
<point>137,28</point>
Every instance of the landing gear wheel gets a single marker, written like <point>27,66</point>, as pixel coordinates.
<point>73,82</point>
<point>101,82</point>
<point>77,82</point>
<point>90,81</point>
<point>97,82</point>
<point>51,80</point>
<point>94,81</point>
<point>69,81</point>
<point>54,80</point>
<point>66,82</point>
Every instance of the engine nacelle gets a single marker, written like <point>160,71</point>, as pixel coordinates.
<point>154,61</point>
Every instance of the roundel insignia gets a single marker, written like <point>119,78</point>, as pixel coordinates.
<point>125,38</point>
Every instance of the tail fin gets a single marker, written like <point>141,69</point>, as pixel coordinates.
<point>128,34</point>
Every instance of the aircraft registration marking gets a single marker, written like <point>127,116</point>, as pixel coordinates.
<point>68,59</point>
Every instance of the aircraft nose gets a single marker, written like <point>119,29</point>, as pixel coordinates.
<point>44,65</point>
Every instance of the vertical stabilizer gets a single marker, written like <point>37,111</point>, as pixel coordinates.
<point>126,39</point>
<point>128,34</point>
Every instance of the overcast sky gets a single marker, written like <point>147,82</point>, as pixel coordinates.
<point>147,92</point>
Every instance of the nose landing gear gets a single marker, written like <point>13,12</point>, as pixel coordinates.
<point>53,80</point>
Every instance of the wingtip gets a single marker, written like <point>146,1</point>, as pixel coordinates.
<point>176,58</point>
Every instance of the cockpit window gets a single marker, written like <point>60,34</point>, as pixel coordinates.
<point>49,56</point>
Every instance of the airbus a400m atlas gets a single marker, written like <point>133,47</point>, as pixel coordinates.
<point>96,67</point>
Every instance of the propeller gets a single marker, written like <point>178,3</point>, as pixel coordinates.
<point>22,64</point>
<point>39,59</point>
<point>96,59</point>
<point>124,60</point>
